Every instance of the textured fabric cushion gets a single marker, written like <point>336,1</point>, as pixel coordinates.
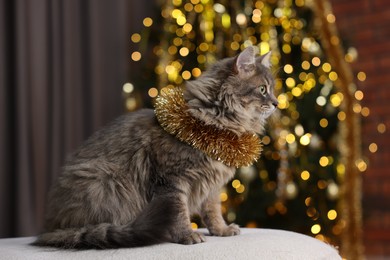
<point>251,244</point>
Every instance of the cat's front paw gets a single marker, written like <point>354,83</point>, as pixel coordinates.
<point>227,231</point>
<point>192,238</point>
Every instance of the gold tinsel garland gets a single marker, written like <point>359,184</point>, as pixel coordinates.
<point>220,144</point>
<point>351,183</point>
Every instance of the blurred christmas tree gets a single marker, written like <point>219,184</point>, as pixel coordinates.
<point>295,184</point>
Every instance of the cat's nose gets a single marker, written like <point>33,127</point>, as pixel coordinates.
<point>275,103</point>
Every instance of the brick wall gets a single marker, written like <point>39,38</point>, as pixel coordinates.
<point>364,24</point>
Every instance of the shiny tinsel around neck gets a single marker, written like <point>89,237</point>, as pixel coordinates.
<point>220,144</point>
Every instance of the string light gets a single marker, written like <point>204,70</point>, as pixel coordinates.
<point>136,37</point>
<point>236,183</point>
<point>315,229</point>
<point>305,139</point>
<point>323,122</point>
<point>194,226</point>
<point>153,92</point>
<point>361,76</point>
<point>224,197</point>
<point>324,161</point>
<point>136,56</point>
<point>332,214</point>
<point>373,147</point>
<point>305,175</point>
<point>288,68</point>
<point>148,22</point>
<point>381,128</point>
<point>359,95</point>
<point>131,103</point>
<point>128,88</point>
<point>361,165</point>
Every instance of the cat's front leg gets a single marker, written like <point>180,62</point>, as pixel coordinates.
<point>212,217</point>
<point>181,231</point>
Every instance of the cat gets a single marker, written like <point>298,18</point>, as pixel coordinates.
<point>134,184</point>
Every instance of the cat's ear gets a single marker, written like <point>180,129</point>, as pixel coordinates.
<point>265,60</point>
<point>246,61</point>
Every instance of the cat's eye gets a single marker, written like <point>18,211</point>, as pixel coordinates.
<point>263,89</point>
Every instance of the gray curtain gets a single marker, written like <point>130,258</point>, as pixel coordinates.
<point>62,67</point>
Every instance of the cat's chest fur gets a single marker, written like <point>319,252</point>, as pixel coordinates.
<point>194,173</point>
<point>214,177</point>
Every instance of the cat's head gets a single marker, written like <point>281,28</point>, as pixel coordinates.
<point>235,93</point>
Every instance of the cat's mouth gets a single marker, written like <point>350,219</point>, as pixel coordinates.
<point>267,110</point>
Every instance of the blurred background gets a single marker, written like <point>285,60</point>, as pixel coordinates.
<point>69,67</point>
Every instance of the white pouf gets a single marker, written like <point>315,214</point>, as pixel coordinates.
<point>251,244</point>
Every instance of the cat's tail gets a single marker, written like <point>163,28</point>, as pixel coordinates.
<point>150,227</point>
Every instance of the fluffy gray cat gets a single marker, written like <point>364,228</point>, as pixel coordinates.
<point>135,184</point>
